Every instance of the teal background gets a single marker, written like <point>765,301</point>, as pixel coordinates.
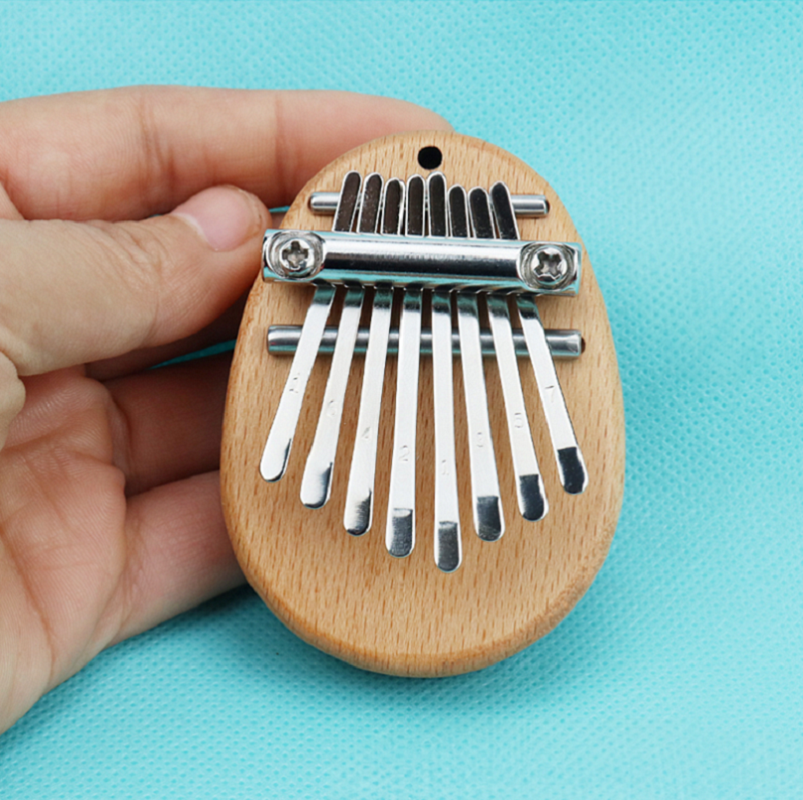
<point>672,132</point>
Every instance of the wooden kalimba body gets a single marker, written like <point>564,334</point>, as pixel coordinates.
<point>407,488</point>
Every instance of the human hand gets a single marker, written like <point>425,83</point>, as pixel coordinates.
<point>110,517</point>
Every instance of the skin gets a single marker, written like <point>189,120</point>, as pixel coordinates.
<point>110,517</point>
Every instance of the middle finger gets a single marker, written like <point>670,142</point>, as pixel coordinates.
<point>168,421</point>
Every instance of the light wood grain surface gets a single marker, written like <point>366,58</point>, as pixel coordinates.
<point>346,595</point>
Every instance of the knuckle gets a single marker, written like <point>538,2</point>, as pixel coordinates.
<point>158,169</point>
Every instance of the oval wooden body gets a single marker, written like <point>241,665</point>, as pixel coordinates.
<point>346,595</point>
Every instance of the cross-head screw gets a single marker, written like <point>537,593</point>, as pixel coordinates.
<point>294,255</point>
<point>547,267</point>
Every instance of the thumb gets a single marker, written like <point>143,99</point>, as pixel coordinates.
<point>73,292</point>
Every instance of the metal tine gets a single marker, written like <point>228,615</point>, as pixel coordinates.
<point>529,483</point>
<point>370,203</point>
<point>392,207</point>
<point>415,208</point>
<point>488,517</point>
<point>437,218</point>
<point>400,527</point>
<point>458,212</point>
<point>316,485</point>
<point>358,514</point>
<point>504,213</point>
<point>347,204</point>
<point>571,465</point>
<point>448,547</point>
<point>280,439</point>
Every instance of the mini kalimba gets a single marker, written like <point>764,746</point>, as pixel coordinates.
<point>402,480</point>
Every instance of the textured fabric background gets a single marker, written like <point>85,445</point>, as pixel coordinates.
<point>673,132</point>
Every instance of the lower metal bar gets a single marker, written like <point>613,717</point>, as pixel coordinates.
<point>564,344</point>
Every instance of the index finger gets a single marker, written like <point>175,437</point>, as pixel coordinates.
<point>129,153</point>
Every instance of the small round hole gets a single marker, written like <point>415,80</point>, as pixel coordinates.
<point>430,157</point>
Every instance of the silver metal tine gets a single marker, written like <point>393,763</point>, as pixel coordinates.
<point>436,206</point>
<point>360,495</point>
<point>358,514</point>
<point>571,466</point>
<point>488,517</point>
<point>280,439</point>
<point>503,211</point>
<point>370,204</point>
<point>347,204</point>
<point>448,547</point>
<point>529,483</point>
<point>392,207</point>
<point>416,204</point>
<point>283,429</point>
<point>316,485</point>
<point>400,527</point>
<point>482,224</point>
<point>458,212</point>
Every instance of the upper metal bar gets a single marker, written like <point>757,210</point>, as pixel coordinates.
<point>524,205</point>
<point>422,261</point>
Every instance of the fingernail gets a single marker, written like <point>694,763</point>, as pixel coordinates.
<point>225,216</point>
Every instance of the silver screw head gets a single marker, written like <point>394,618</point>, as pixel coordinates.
<point>547,267</point>
<point>293,255</point>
